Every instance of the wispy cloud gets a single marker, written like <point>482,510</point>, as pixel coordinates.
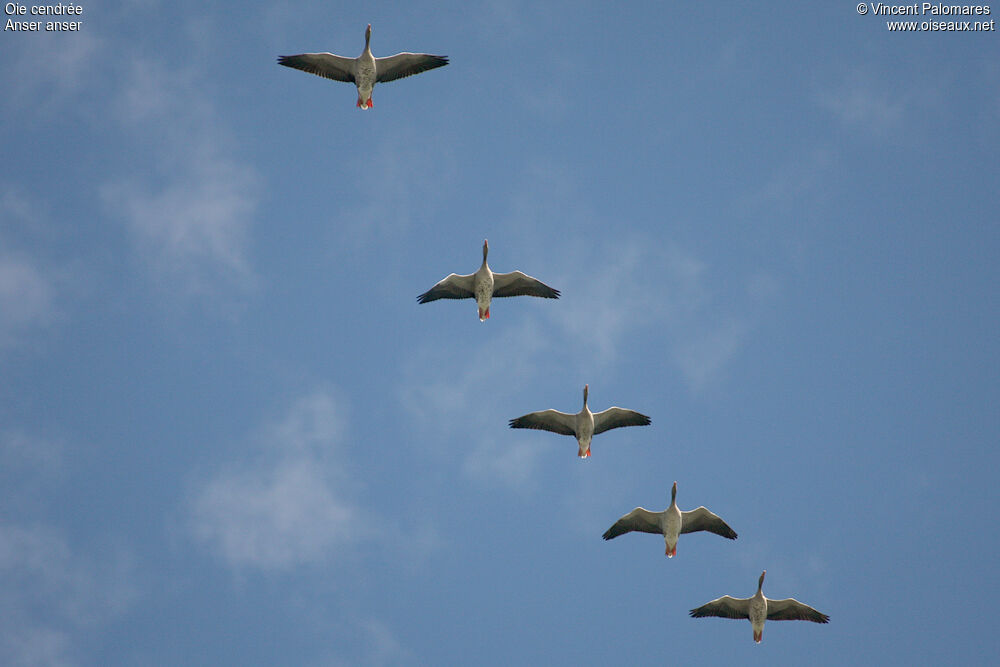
<point>634,288</point>
<point>276,517</point>
<point>447,399</point>
<point>28,287</point>
<point>27,463</point>
<point>862,103</point>
<point>512,462</point>
<point>50,594</point>
<point>53,590</point>
<point>286,504</point>
<point>384,647</point>
<point>630,291</point>
<point>61,65</point>
<point>399,174</point>
<point>190,210</point>
<point>625,288</point>
<point>702,358</point>
<point>379,645</point>
<point>791,184</point>
<point>627,285</point>
<point>26,297</point>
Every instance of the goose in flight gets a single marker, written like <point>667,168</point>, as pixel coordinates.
<point>365,70</point>
<point>584,425</point>
<point>671,523</point>
<point>758,609</point>
<point>483,285</point>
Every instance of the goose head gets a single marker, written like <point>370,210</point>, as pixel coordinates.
<point>486,249</point>
<point>585,389</point>
<point>673,494</point>
<point>368,35</point>
<point>760,582</point>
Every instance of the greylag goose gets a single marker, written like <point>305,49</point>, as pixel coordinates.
<point>758,609</point>
<point>670,523</point>
<point>483,285</point>
<point>365,70</point>
<point>584,425</point>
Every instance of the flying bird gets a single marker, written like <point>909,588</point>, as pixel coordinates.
<point>365,70</point>
<point>671,523</point>
<point>483,285</point>
<point>758,609</point>
<point>584,425</point>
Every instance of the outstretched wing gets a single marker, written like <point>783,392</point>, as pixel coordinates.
<point>702,519</point>
<point>724,607</point>
<point>615,417</point>
<point>639,519</point>
<point>326,65</point>
<point>406,64</point>
<point>516,283</point>
<point>791,609</point>
<point>547,420</point>
<point>452,287</point>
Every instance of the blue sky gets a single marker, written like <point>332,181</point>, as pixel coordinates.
<point>230,436</point>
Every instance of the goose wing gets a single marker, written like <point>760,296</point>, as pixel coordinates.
<point>406,64</point>
<point>791,609</point>
<point>639,519</point>
<point>547,420</point>
<point>615,417</point>
<point>703,519</point>
<point>326,65</point>
<point>516,283</point>
<point>724,607</point>
<point>452,287</point>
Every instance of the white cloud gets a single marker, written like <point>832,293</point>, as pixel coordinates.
<point>384,648</point>
<point>190,217</point>
<point>634,287</point>
<point>702,358</point>
<point>448,399</point>
<point>273,517</point>
<point>630,290</point>
<point>512,462</point>
<point>862,103</point>
<point>26,464</point>
<point>626,285</point>
<point>195,227</point>
<point>437,392</point>
<point>28,287</point>
<point>400,173</point>
<point>313,426</point>
<point>54,595</point>
<point>378,644</point>
<point>50,595</point>
<point>61,65</point>
<point>792,186</point>
<point>26,297</point>
<point>286,506</point>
